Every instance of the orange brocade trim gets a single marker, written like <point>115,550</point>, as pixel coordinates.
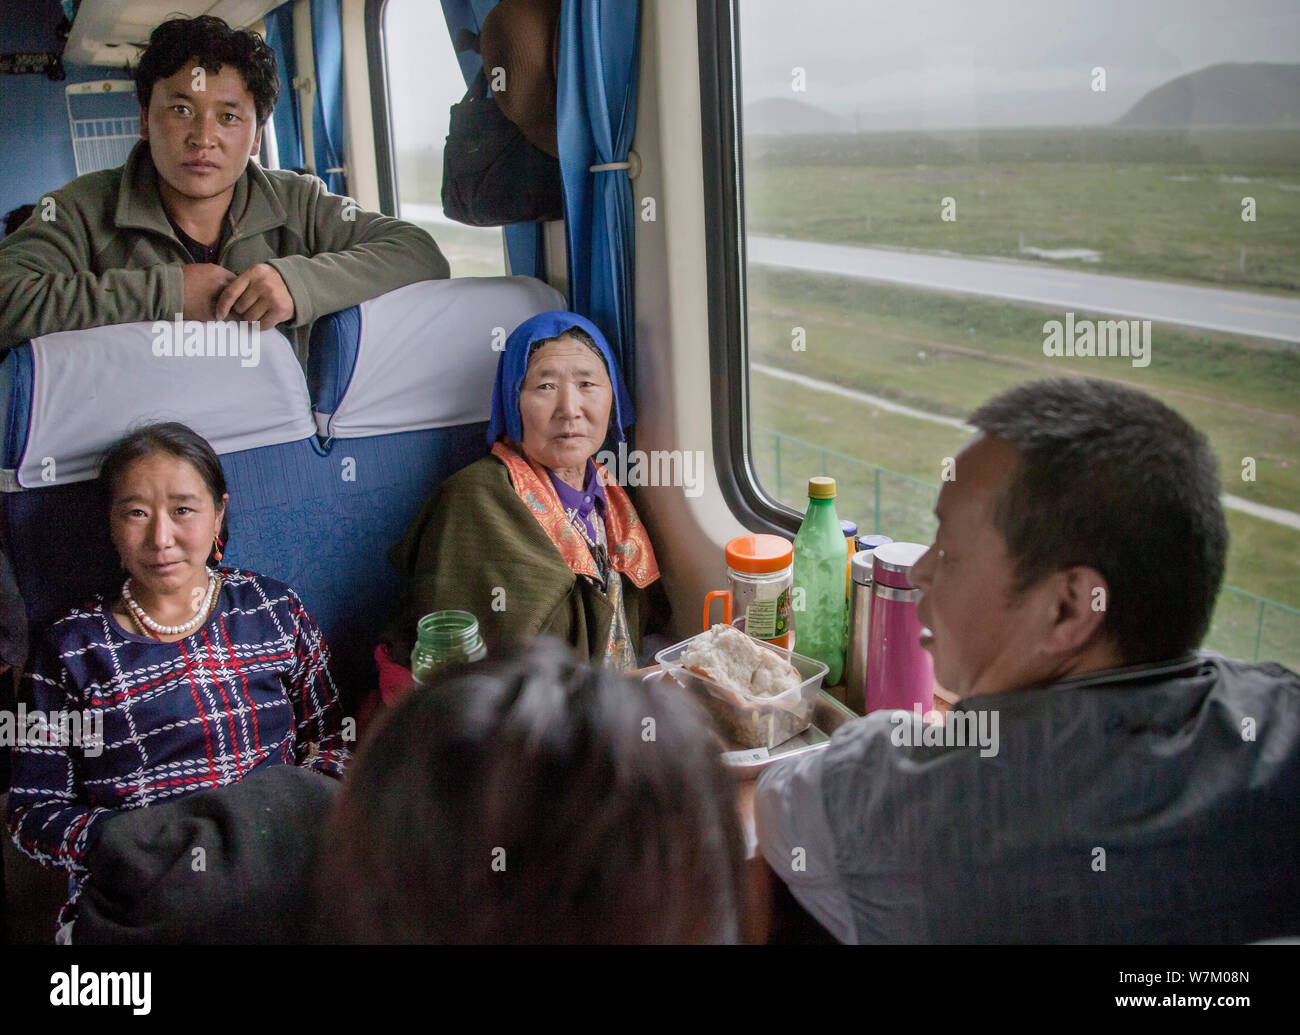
<point>630,552</point>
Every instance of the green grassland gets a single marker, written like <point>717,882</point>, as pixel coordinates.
<point>1156,204</point>
<point>945,355</point>
<point>1161,204</point>
<point>1262,556</point>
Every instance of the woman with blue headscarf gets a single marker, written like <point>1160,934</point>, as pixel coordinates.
<point>538,538</point>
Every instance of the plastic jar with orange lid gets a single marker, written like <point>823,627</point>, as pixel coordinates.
<point>760,576</point>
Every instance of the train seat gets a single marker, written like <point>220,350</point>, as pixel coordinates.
<point>65,397</point>
<point>322,480</point>
<point>401,387</point>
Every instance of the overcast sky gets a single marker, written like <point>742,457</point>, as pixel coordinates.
<point>997,62</point>
<point>921,63</point>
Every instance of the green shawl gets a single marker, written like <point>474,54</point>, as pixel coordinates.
<point>474,546</point>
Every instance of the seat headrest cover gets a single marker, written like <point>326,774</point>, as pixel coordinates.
<point>238,388</point>
<point>332,358</point>
<point>427,354</point>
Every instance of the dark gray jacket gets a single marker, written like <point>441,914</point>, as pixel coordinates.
<point>1157,804</point>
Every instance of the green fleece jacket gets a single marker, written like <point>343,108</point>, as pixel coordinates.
<point>109,255</point>
<point>475,546</point>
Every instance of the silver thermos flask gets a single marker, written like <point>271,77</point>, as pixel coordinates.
<point>860,566</point>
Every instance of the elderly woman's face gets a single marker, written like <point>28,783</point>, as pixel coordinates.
<point>565,404</point>
<point>162,520</point>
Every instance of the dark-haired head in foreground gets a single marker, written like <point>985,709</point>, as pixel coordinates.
<point>1083,531</point>
<point>535,799</point>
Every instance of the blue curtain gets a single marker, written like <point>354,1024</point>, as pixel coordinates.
<point>467,15</point>
<point>327,111</point>
<point>279,36</point>
<point>599,53</point>
<point>523,240</point>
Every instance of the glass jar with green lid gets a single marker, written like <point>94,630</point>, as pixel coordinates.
<point>445,638</point>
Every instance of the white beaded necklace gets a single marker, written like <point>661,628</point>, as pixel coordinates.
<point>138,612</point>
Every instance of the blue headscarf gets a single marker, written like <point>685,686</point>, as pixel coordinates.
<point>513,364</point>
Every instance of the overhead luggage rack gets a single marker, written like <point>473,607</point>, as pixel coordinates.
<point>102,142</point>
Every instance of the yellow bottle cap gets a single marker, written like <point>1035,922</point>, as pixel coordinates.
<point>821,488</point>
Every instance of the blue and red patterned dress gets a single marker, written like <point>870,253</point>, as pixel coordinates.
<point>250,688</point>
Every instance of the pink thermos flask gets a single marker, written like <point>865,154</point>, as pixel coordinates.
<point>900,672</point>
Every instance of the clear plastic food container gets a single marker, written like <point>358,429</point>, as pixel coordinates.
<point>744,720</point>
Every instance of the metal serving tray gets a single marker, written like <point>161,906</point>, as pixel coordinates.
<point>828,716</point>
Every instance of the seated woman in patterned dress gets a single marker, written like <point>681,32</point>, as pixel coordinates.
<point>189,679</point>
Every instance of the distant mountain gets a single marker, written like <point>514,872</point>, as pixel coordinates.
<point>1257,94</point>
<point>780,116</point>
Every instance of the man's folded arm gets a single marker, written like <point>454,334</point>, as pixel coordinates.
<point>46,286</point>
<point>357,255</point>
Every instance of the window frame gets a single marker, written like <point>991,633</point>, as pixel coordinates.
<point>726,263</point>
<point>269,145</point>
<point>381,118</point>
<point>723,181</point>
<point>380,111</point>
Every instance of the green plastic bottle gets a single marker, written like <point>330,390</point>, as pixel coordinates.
<point>820,554</point>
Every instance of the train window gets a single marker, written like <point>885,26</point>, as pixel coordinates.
<point>269,155</point>
<point>424,81</point>
<point>939,201</point>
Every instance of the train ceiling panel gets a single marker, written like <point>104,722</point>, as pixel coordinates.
<point>109,32</point>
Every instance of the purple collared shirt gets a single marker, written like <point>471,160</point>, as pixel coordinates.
<point>581,504</point>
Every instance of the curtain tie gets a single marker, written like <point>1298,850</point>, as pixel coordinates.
<point>632,165</point>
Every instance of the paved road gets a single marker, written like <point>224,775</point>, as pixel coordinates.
<point>1236,312</point>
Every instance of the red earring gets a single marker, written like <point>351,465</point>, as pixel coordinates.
<point>217,544</point>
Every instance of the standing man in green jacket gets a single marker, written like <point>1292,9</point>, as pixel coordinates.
<point>190,226</point>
